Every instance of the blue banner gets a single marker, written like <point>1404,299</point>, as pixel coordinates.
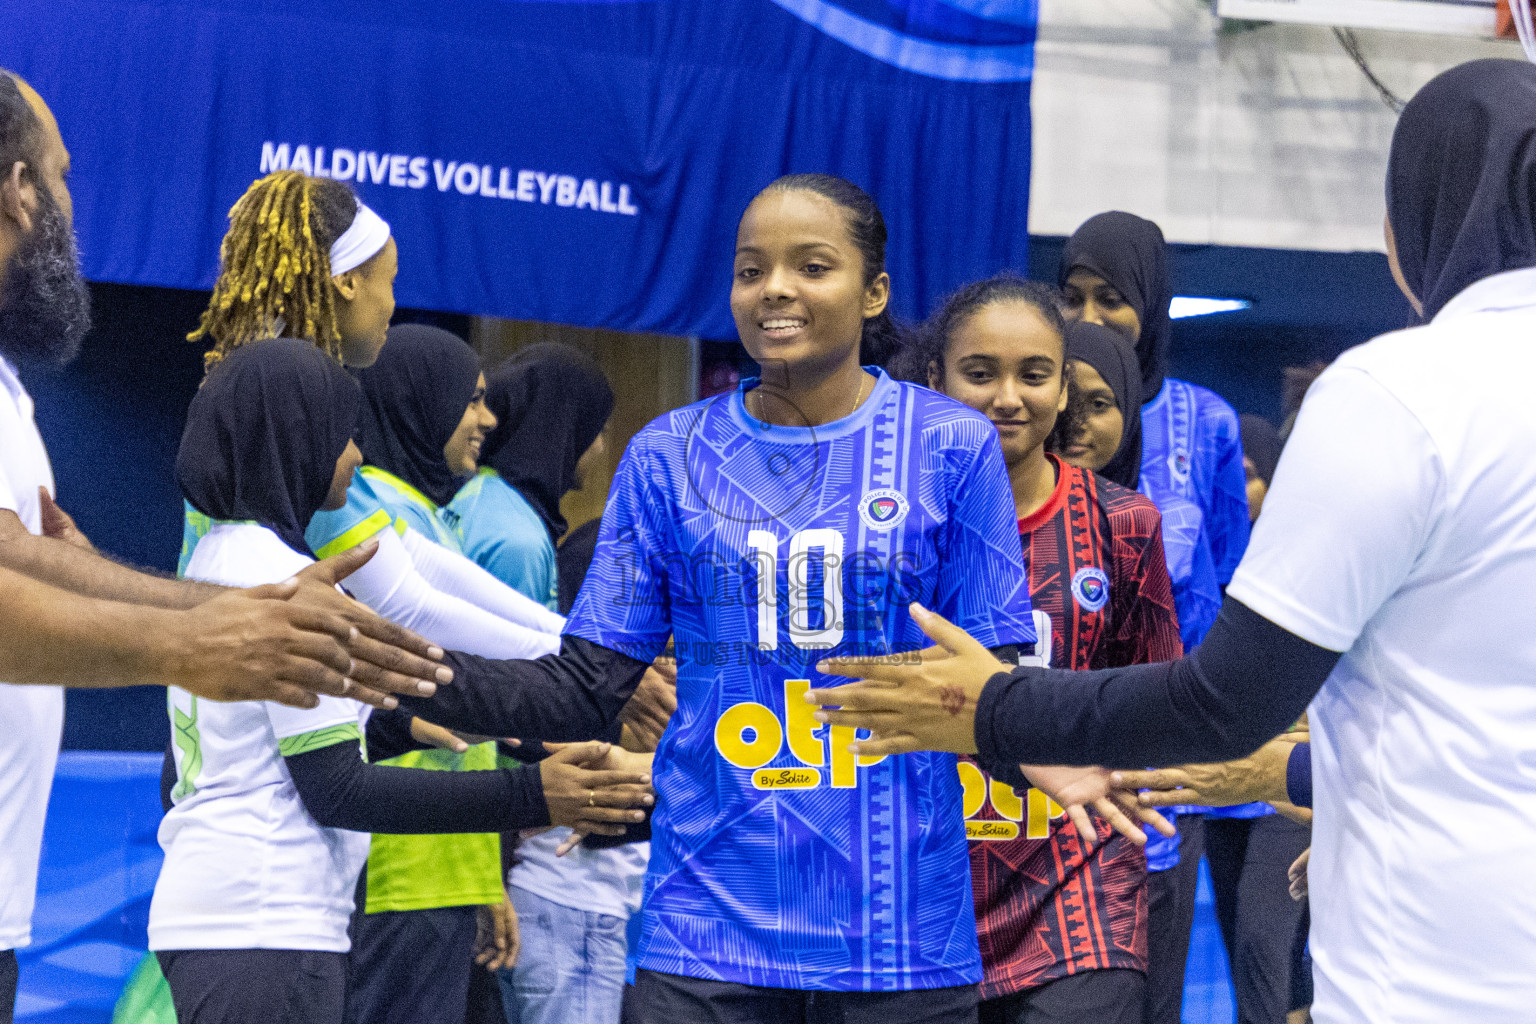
<point>573,161</point>
<point>100,861</point>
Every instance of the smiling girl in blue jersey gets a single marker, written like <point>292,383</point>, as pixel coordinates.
<point>798,515</point>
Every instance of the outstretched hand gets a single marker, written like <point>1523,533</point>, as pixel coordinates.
<point>1259,776</point>
<point>1078,790</point>
<point>916,701</point>
<point>586,793</point>
<point>386,658</point>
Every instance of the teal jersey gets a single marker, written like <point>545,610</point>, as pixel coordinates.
<point>376,499</point>
<point>502,533</point>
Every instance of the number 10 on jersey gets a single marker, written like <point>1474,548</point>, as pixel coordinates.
<point>808,549</point>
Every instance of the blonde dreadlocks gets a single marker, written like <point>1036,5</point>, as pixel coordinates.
<point>275,265</point>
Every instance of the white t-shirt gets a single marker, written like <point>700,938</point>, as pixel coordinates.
<point>598,881</point>
<point>246,867</point>
<point>31,717</point>
<point>1401,530</point>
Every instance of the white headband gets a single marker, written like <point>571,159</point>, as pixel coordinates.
<point>360,242</point>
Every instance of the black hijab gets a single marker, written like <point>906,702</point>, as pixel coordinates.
<point>1129,252</point>
<point>551,401</point>
<point>1461,179</point>
<point>1109,353</point>
<point>413,400</point>
<point>1262,444</point>
<point>263,435</point>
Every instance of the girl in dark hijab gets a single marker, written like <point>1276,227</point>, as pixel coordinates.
<point>551,403</point>
<point>416,396</point>
<point>264,435</point>
<point>1101,430</point>
<point>1114,271</point>
<point>1461,181</point>
<point>423,422</point>
<point>268,443</point>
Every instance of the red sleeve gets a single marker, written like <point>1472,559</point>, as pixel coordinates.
<point>1145,627</point>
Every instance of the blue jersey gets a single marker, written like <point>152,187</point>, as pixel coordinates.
<point>1196,594</point>
<point>1191,448</point>
<point>501,533</point>
<point>778,858</point>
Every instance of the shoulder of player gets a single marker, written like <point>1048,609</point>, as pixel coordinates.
<point>1122,503</point>
<point>1215,414</point>
<point>1411,362</point>
<point>243,555</point>
<point>945,425</point>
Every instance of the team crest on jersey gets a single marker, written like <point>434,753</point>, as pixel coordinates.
<point>1090,588</point>
<point>883,509</point>
<point>1178,464</point>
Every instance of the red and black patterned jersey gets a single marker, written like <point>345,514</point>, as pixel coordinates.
<point>1047,905</point>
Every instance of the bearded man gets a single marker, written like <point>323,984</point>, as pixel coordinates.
<point>70,616</point>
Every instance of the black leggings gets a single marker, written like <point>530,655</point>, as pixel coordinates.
<point>8,977</point>
<point>1170,915</point>
<point>256,986</point>
<point>1250,859</point>
<point>657,998</point>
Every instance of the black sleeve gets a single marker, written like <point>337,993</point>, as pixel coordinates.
<point>1298,775</point>
<point>167,778</point>
<point>1242,687</point>
<point>574,559</point>
<point>571,696</point>
<point>389,734</point>
<point>340,790</point>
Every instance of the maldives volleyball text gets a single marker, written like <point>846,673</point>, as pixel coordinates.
<point>400,170</point>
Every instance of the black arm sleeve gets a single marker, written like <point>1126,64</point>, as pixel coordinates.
<point>340,790</point>
<point>1298,775</point>
<point>1242,687</point>
<point>571,696</point>
<point>389,734</point>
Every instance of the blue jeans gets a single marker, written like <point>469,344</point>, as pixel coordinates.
<point>570,969</point>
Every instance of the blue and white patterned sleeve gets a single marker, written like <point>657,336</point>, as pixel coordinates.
<point>1227,515</point>
<point>982,586</point>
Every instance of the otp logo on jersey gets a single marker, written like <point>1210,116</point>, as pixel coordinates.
<point>749,735</point>
<point>1035,810</point>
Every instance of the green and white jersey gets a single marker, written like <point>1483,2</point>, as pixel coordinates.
<point>246,867</point>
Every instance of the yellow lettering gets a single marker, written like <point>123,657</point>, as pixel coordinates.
<point>1007,802</point>
<point>731,741</point>
<point>844,771</point>
<point>1042,810</point>
<point>786,778</point>
<point>975,785</point>
<point>801,727</point>
<point>993,830</point>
